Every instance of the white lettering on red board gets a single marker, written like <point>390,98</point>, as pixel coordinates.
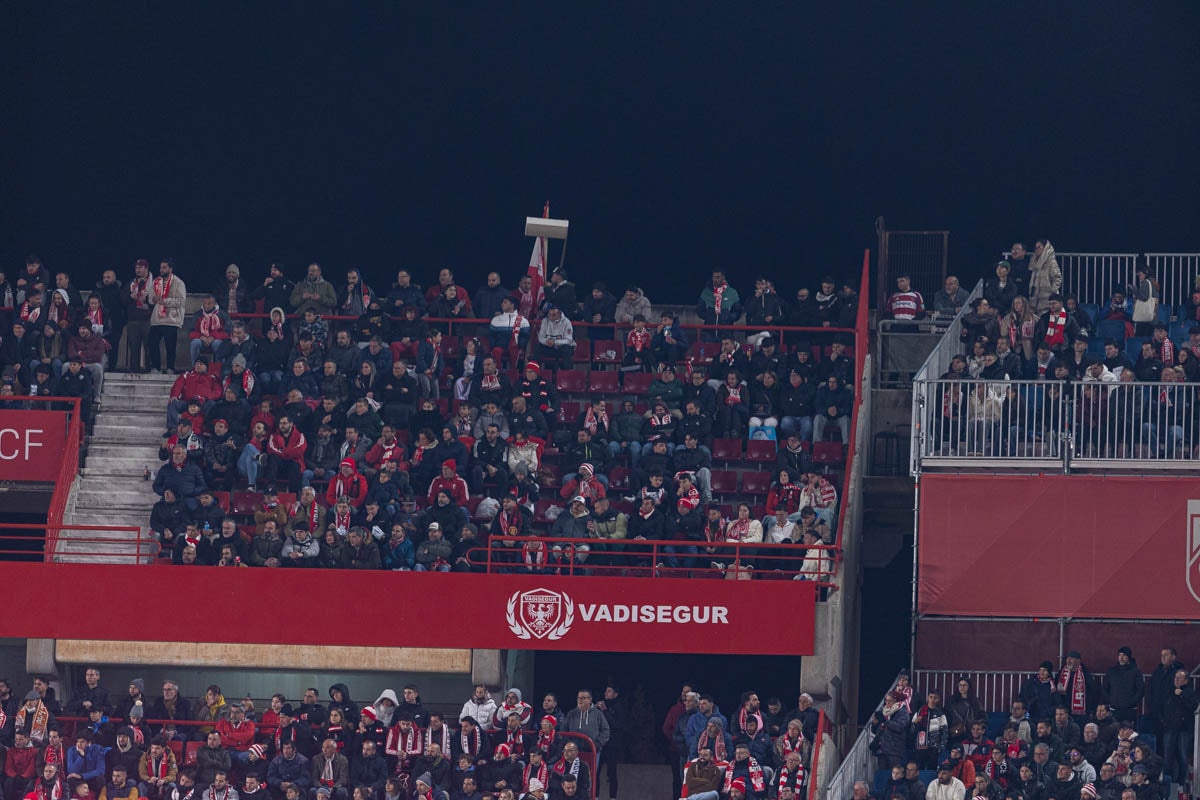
<point>19,444</point>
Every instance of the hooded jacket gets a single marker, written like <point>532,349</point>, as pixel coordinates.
<point>626,310</point>
<point>591,723</point>
<point>348,707</point>
<point>481,712</point>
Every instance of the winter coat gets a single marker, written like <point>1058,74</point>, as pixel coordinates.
<point>626,310</point>
<point>1124,686</point>
<point>1177,710</point>
<point>174,302</point>
<point>1045,279</point>
<point>893,731</point>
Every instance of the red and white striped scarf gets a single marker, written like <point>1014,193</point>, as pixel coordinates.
<point>717,746</point>
<point>545,742</point>
<point>469,742</point>
<point>516,329</point>
<point>510,523</point>
<point>1073,684</point>
<point>637,341</point>
<point>162,286</point>
<point>341,520</point>
<point>1055,326</point>
<point>96,316</point>
<point>718,297</point>
<point>756,776</point>
<point>406,744</point>
<point>790,746</point>
<point>542,774</point>
<point>210,322</point>
<point>737,530</point>
<point>592,420</point>
<point>786,778</point>
<point>159,770</point>
<point>515,741</point>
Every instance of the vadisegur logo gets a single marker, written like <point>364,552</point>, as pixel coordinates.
<point>540,613</point>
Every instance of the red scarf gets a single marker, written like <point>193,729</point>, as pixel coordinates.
<point>29,313</point>
<point>788,746</point>
<point>96,316</point>
<point>561,767</point>
<point>525,303</point>
<point>41,721</point>
<point>437,353</point>
<point>510,523</point>
<point>718,296</point>
<point>542,774</point>
<point>341,520</point>
<point>159,771</point>
<point>278,326</point>
<point>545,742</point>
<point>535,554</point>
<point>210,322</point>
<point>592,420</point>
<point>163,287</point>
<point>756,776</point>
<point>737,530</point>
<point>515,741</point>
<point>718,745</point>
<point>139,736</point>
<point>139,292</point>
<point>490,381</point>
<point>56,791</point>
<point>787,779</point>
<point>1055,327</point>
<point>56,755</point>
<point>1073,684</point>
<point>665,419</point>
<point>735,395</point>
<point>516,330</point>
<point>637,341</point>
<point>247,382</point>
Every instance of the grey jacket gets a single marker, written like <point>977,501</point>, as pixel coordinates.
<point>590,723</point>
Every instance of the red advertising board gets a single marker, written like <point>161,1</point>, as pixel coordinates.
<point>31,444</point>
<point>412,609</point>
<point>1059,546</point>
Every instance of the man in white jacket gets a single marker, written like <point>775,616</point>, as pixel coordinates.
<point>480,707</point>
<point>946,787</point>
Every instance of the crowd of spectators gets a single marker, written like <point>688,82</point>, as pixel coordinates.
<point>1038,364</point>
<point>1070,734</point>
<point>140,743</point>
<point>379,440</point>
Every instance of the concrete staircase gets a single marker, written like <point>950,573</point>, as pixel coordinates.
<point>110,490</point>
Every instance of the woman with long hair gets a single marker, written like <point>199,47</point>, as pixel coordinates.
<point>1017,326</point>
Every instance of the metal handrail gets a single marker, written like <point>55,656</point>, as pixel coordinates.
<point>856,764</point>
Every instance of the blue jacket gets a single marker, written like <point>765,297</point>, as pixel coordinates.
<point>294,771</point>
<point>88,765</point>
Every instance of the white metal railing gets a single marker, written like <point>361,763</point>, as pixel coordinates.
<point>1091,277</point>
<point>858,764</point>
<point>1176,273</point>
<point>964,423</point>
<point>937,363</point>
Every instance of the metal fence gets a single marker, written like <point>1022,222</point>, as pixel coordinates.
<point>962,422</point>
<point>907,351</point>
<point>1176,273</point>
<point>857,765</point>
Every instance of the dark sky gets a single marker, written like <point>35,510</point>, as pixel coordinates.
<point>760,137</point>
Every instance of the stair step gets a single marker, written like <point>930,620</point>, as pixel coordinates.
<point>133,451</point>
<point>103,496</point>
<point>123,417</point>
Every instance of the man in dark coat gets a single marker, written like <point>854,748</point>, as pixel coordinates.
<point>1124,686</point>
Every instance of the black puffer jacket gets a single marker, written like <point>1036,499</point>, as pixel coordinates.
<point>1124,686</point>
<point>349,709</point>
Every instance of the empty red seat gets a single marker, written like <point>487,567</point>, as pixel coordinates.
<point>451,347</point>
<point>572,381</point>
<point>551,475</point>
<point>828,453</point>
<point>569,411</point>
<point>539,510</point>
<point>756,482</point>
<point>723,481</point>
<point>618,477</point>
<point>245,503</point>
<point>189,753</point>
<point>638,382</point>
<point>222,499</point>
<point>726,449</point>
<point>603,383</point>
<point>702,353</point>
<point>761,450</point>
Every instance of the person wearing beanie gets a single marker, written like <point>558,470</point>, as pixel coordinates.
<point>424,787</point>
<point>503,771</point>
<point>450,481</point>
<point>1038,693</point>
<point>1124,686</point>
<point>535,790</point>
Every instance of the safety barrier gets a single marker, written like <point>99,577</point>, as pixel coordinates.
<point>111,544</point>
<point>1091,277</point>
<point>858,764</point>
<point>814,765</point>
<point>963,423</point>
<point>540,555</point>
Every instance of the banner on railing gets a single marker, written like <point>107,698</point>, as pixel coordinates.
<point>455,610</point>
<point>1059,546</point>
<point>31,444</point>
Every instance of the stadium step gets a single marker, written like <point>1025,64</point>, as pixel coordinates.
<point>110,491</point>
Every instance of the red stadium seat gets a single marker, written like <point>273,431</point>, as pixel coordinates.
<point>189,753</point>
<point>245,503</point>
<point>828,453</point>
<point>618,477</point>
<point>222,499</point>
<point>756,482</point>
<point>551,476</point>
<point>569,411</point>
<point>702,353</point>
<point>638,382</point>
<point>572,381</point>
<point>726,449</point>
<point>724,482</point>
<point>539,510</point>
<point>603,383</point>
<point>607,351</point>
<point>761,450</point>
<point>451,347</point>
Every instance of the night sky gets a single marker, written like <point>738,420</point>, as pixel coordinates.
<point>758,137</point>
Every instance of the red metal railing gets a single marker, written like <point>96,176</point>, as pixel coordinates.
<point>506,554</point>
<point>815,762</point>
<point>67,471</point>
<point>44,542</point>
<point>861,339</point>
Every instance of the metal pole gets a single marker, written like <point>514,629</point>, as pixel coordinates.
<point>1062,638</point>
<point>912,645</point>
